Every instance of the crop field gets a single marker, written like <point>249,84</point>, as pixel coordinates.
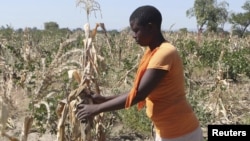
<point>45,73</point>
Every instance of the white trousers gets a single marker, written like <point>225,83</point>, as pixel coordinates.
<point>195,135</point>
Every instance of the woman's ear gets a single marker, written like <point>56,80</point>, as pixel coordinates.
<point>151,27</point>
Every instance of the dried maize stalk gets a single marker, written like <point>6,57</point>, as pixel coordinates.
<point>26,127</point>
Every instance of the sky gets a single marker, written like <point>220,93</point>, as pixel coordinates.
<point>113,13</point>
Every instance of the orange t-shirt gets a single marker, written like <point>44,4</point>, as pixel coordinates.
<point>167,105</point>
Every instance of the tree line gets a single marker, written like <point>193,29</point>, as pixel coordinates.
<point>211,16</point>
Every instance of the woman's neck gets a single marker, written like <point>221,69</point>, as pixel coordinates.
<point>157,42</point>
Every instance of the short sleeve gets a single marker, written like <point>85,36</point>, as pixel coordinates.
<point>163,57</point>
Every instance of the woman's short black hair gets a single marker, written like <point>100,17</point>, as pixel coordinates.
<point>146,14</point>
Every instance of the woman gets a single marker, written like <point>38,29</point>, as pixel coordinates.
<point>159,84</point>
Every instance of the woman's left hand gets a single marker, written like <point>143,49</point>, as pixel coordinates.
<point>84,111</point>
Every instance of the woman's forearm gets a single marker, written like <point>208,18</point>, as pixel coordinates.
<point>114,103</point>
<point>107,98</point>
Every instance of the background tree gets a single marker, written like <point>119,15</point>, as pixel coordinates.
<point>208,13</point>
<point>51,26</point>
<point>241,21</point>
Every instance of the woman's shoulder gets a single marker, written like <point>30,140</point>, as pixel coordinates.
<point>167,46</point>
<point>167,49</point>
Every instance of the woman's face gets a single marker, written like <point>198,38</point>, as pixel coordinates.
<point>141,34</point>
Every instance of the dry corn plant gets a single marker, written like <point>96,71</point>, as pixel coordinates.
<point>215,102</point>
<point>6,104</point>
<point>41,83</point>
<point>44,84</point>
<point>6,85</point>
<point>92,128</point>
<point>89,6</point>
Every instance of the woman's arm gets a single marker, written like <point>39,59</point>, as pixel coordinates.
<point>148,82</point>
<point>98,99</point>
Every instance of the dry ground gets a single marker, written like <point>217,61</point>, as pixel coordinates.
<point>20,110</point>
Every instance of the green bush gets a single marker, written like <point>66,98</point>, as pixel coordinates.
<point>237,62</point>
